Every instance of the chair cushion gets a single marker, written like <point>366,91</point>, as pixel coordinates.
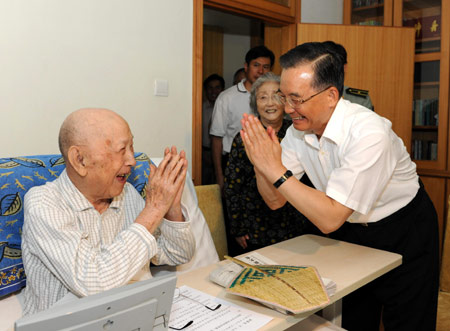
<point>17,176</point>
<point>210,203</point>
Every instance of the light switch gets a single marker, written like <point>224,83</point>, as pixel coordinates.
<point>161,88</point>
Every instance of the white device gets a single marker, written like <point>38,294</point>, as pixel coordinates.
<point>143,306</point>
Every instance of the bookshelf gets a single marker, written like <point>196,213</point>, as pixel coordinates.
<point>368,12</point>
<point>425,129</point>
<point>429,147</point>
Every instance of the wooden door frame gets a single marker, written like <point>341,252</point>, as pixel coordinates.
<point>288,26</point>
<point>197,77</point>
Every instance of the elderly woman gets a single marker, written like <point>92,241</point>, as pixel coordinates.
<point>252,224</point>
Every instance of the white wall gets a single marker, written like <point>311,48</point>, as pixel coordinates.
<point>322,11</point>
<point>234,49</point>
<point>60,55</point>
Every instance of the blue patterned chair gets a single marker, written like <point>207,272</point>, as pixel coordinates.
<point>17,176</point>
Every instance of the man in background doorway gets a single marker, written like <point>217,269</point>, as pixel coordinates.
<point>238,75</point>
<point>212,87</point>
<point>232,104</point>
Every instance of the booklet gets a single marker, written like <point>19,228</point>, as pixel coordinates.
<point>288,289</point>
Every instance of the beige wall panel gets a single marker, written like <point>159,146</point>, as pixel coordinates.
<point>272,40</point>
<point>280,39</point>
<point>212,50</point>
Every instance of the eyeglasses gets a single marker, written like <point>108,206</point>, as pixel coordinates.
<point>294,102</point>
<point>180,296</point>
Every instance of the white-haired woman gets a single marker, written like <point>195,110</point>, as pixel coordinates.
<point>252,223</point>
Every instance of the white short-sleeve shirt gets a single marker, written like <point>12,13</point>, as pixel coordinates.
<point>359,161</point>
<point>229,108</point>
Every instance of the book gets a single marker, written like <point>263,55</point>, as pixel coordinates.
<point>287,289</point>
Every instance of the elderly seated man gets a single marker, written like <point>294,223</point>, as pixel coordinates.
<point>89,230</point>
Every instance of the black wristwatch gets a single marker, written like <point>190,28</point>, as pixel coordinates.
<point>282,179</point>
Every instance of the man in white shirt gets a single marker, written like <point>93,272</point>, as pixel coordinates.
<point>232,104</point>
<point>367,190</point>
<point>212,86</point>
<point>89,230</point>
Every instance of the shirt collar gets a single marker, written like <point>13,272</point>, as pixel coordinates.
<point>77,200</point>
<point>241,87</point>
<point>334,130</point>
<point>207,104</point>
<point>309,137</point>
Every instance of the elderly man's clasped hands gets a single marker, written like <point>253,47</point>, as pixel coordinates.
<point>165,186</point>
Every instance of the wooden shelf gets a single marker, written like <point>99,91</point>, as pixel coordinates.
<point>434,173</point>
<point>371,7</point>
<point>426,84</point>
<point>428,45</point>
<point>426,50</point>
<point>420,4</point>
<point>424,40</point>
<point>375,12</point>
<point>426,57</point>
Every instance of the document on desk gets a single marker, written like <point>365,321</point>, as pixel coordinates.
<point>195,310</point>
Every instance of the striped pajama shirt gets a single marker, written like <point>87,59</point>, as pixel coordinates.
<point>68,246</point>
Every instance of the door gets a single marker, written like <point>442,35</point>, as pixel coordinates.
<point>280,14</point>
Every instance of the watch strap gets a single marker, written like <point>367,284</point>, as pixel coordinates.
<point>282,179</point>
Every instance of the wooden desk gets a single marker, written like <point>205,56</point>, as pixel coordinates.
<point>349,266</point>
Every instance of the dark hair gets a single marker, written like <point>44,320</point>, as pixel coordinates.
<point>338,49</point>
<point>327,65</point>
<point>237,73</point>
<point>259,51</point>
<point>213,77</point>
